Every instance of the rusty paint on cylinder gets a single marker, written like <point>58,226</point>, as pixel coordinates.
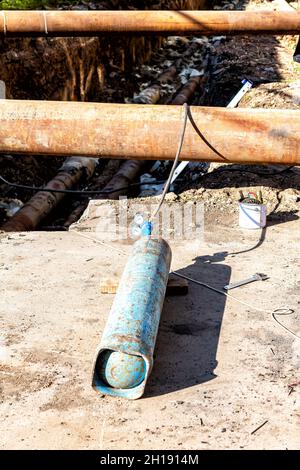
<point>124,358</point>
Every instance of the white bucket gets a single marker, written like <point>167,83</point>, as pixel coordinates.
<point>252,216</point>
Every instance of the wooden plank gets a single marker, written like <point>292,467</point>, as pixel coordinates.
<point>176,286</point>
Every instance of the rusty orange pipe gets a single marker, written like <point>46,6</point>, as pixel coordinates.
<point>91,23</point>
<point>149,132</point>
<point>43,202</point>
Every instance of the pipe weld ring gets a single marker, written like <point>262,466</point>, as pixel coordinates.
<point>45,22</point>
<point>4,23</point>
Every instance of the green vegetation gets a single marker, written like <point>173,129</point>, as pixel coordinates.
<point>28,4</point>
<point>21,4</point>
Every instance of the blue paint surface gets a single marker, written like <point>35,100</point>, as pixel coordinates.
<point>121,370</point>
<point>133,321</point>
<point>146,229</point>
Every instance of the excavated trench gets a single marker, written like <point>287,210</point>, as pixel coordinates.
<point>100,69</point>
<point>137,70</point>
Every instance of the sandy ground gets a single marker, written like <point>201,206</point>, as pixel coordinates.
<point>221,368</point>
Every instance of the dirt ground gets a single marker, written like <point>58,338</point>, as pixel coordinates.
<point>221,370</point>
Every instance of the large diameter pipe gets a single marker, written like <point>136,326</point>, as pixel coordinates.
<point>91,23</point>
<point>146,132</point>
<point>129,170</point>
<point>124,359</point>
<point>188,90</point>
<point>43,202</point>
<point>122,179</point>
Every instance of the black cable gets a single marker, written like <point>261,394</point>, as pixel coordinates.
<point>203,138</point>
<point>86,193</point>
<point>241,170</point>
<point>247,170</point>
<point>77,192</point>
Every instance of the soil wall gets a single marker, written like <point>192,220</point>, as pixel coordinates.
<point>78,68</point>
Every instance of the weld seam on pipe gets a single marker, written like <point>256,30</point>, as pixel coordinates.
<point>4,23</point>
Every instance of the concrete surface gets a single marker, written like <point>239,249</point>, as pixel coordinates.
<point>221,370</point>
